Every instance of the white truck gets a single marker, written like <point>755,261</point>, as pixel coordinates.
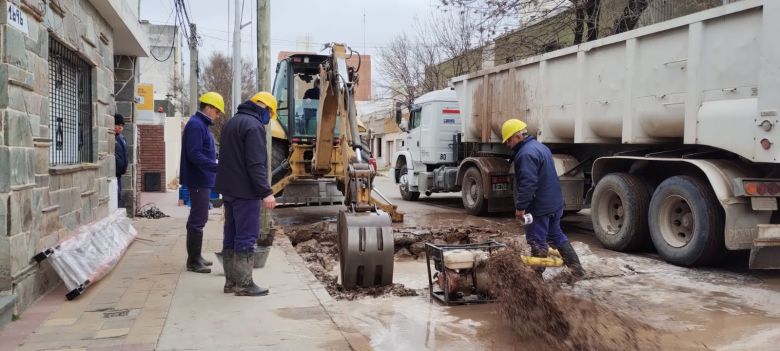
<point>666,132</point>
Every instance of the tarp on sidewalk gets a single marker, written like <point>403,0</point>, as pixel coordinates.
<point>92,252</point>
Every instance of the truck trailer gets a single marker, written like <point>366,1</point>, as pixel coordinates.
<point>665,132</point>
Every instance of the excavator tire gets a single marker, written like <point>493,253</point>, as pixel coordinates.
<point>279,152</point>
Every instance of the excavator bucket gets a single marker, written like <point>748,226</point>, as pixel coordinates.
<point>366,249</point>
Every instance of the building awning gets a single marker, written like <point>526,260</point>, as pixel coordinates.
<point>129,38</point>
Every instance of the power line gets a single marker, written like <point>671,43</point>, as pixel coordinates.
<point>241,21</point>
<point>173,43</point>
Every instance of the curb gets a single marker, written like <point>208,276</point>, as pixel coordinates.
<point>354,338</point>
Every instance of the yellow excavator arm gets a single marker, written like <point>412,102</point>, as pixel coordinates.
<point>336,153</point>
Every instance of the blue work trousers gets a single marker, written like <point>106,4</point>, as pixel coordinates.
<point>242,224</point>
<point>545,230</point>
<point>199,210</point>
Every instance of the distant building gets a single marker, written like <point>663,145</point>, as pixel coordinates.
<point>363,91</point>
<point>159,123</point>
<point>386,137</point>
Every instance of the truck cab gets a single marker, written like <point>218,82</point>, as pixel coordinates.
<point>431,142</point>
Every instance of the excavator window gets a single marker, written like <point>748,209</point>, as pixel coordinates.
<point>307,102</point>
<point>297,91</point>
<point>281,93</point>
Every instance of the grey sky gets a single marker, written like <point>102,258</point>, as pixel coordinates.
<point>292,21</point>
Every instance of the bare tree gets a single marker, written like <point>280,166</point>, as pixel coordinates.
<point>547,25</point>
<point>181,96</point>
<point>460,43</point>
<point>441,46</point>
<point>403,74</point>
<point>508,15</point>
<point>218,77</point>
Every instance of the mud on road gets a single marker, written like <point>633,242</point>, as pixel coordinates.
<point>542,310</point>
<point>317,245</point>
<point>533,307</point>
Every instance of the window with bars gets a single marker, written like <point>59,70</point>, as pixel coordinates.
<point>70,106</point>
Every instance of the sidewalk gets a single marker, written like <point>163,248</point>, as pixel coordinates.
<point>150,302</point>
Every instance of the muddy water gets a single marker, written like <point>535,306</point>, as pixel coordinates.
<point>417,323</point>
<point>692,309</point>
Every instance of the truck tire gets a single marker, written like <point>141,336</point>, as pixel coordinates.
<point>619,212</point>
<point>279,152</point>
<point>473,193</point>
<point>686,222</point>
<point>403,187</point>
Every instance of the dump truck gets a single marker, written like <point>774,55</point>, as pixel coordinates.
<point>665,132</point>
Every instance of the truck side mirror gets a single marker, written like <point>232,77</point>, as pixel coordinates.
<point>404,125</point>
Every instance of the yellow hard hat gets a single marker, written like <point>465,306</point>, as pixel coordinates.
<point>213,99</point>
<point>267,99</point>
<point>511,127</point>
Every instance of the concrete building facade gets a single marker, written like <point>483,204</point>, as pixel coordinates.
<point>160,146</point>
<point>67,66</point>
<point>386,137</point>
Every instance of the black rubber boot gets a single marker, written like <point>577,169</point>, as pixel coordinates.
<point>194,246</point>
<point>204,261</point>
<point>571,260</point>
<point>243,264</point>
<point>536,252</point>
<point>228,258</point>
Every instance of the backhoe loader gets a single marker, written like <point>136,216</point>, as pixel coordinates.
<point>320,158</point>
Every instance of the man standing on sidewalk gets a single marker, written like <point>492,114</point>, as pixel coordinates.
<point>198,169</point>
<point>538,192</point>
<point>242,179</point>
<point>120,153</point>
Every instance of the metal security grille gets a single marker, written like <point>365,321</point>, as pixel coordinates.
<point>70,106</point>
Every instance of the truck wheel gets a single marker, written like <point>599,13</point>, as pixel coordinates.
<point>279,153</point>
<point>686,222</point>
<point>473,193</point>
<point>619,212</point>
<point>403,187</point>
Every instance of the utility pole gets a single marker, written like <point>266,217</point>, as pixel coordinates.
<point>264,84</point>
<point>236,98</point>
<point>193,69</point>
<point>263,46</point>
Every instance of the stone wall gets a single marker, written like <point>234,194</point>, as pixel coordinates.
<point>40,204</point>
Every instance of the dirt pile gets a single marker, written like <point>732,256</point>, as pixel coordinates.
<point>538,310</point>
<point>316,243</point>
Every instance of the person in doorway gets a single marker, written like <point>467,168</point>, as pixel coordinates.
<point>120,153</point>
<point>198,169</point>
<point>538,192</point>
<point>243,181</point>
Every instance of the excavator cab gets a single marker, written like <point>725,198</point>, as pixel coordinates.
<point>297,91</point>
<point>294,134</point>
<point>320,157</point>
